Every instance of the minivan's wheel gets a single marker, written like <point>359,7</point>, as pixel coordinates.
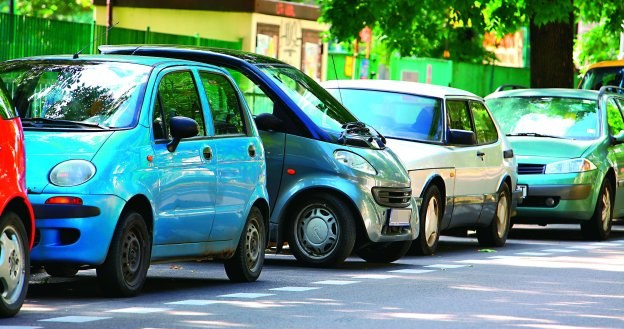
<point>495,234</point>
<point>384,252</point>
<point>246,264</point>
<point>323,230</point>
<point>124,271</point>
<point>14,264</point>
<point>61,270</point>
<point>431,213</point>
<point>599,225</point>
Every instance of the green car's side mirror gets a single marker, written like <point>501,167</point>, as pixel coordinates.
<point>619,138</point>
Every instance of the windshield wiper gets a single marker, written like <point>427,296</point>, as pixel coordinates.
<point>360,131</point>
<point>535,135</point>
<point>39,122</point>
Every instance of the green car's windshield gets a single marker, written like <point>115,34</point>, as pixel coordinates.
<point>395,115</point>
<point>569,118</point>
<point>79,94</point>
<point>316,102</point>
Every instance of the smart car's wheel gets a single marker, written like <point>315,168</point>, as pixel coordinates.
<point>246,264</point>
<point>323,231</point>
<point>431,213</point>
<point>14,264</point>
<point>495,234</point>
<point>599,226</point>
<point>384,252</point>
<point>61,270</point>
<point>124,271</point>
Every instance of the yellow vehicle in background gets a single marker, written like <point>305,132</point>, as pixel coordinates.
<point>606,73</point>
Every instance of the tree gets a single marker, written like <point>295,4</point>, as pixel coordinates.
<point>417,27</point>
<point>69,10</point>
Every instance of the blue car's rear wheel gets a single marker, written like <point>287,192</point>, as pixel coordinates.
<point>247,262</point>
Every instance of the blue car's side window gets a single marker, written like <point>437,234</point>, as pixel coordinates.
<point>227,112</point>
<point>177,96</point>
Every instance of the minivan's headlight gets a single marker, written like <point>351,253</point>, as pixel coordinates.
<point>569,166</point>
<point>354,161</point>
<point>71,173</point>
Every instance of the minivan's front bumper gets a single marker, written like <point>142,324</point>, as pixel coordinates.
<point>76,234</point>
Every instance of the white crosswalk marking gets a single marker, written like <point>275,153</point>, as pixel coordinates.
<point>296,289</point>
<point>335,282</point>
<point>411,271</point>
<point>75,319</point>
<point>140,310</point>
<point>246,295</point>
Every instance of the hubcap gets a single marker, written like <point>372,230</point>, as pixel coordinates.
<point>317,231</point>
<point>252,245</point>
<point>431,222</point>
<point>502,215</point>
<point>131,256</point>
<point>606,210</point>
<point>12,267</point>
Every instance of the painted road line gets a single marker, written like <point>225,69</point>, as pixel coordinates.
<point>336,282</point>
<point>195,302</point>
<point>140,310</point>
<point>411,271</point>
<point>75,319</point>
<point>446,266</point>
<point>295,289</point>
<point>246,295</point>
<point>373,276</point>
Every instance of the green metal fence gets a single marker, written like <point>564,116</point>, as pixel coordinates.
<point>22,36</point>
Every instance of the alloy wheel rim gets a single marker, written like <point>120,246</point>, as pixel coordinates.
<point>606,210</point>
<point>502,215</point>
<point>252,245</point>
<point>431,222</point>
<point>317,231</point>
<point>12,266</point>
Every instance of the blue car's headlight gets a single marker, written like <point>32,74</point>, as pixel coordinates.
<point>72,173</point>
<point>354,161</point>
<point>569,166</point>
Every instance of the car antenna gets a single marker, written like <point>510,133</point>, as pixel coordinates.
<point>336,75</point>
<point>75,56</point>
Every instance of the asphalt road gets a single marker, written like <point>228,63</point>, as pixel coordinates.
<point>545,277</point>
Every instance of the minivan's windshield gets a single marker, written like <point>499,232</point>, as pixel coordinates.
<point>77,94</point>
<point>316,102</point>
<point>395,115</point>
<point>569,118</point>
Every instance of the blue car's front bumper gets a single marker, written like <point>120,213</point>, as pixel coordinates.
<point>76,234</point>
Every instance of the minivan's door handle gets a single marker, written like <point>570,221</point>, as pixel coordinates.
<point>480,154</point>
<point>252,150</point>
<point>207,153</point>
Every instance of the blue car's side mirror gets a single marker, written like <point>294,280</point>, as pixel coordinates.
<point>181,127</point>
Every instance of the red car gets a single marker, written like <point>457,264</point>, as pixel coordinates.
<point>17,224</point>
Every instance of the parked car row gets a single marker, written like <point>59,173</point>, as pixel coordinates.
<point>146,154</point>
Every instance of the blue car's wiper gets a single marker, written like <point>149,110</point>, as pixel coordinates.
<point>535,135</point>
<point>38,122</point>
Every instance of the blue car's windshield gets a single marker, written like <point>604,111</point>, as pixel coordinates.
<point>569,118</point>
<point>316,102</point>
<point>395,115</point>
<point>81,95</point>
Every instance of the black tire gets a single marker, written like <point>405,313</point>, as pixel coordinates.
<point>431,213</point>
<point>247,262</point>
<point>14,264</point>
<point>495,234</point>
<point>125,268</point>
<point>61,270</point>
<point>598,227</point>
<point>384,252</point>
<point>333,223</point>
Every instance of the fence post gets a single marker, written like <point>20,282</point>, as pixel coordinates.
<point>147,35</point>
<point>197,39</point>
<point>93,31</point>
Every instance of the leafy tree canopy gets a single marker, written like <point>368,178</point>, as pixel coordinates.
<point>69,10</point>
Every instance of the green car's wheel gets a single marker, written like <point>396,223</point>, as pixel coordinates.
<point>495,234</point>
<point>599,225</point>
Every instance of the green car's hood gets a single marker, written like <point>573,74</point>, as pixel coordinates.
<point>549,147</point>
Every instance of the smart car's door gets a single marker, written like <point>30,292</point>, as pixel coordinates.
<point>237,151</point>
<point>615,107</point>
<point>185,200</point>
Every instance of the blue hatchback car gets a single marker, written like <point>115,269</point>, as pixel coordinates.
<point>334,186</point>
<point>133,160</point>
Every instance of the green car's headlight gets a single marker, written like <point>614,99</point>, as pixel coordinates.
<point>569,166</point>
<point>72,173</point>
<point>354,161</point>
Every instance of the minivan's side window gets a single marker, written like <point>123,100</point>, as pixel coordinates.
<point>257,100</point>
<point>484,125</point>
<point>227,112</point>
<point>177,95</point>
<point>458,115</point>
<point>614,117</point>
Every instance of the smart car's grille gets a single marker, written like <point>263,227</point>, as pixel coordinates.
<point>395,197</point>
<point>530,169</point>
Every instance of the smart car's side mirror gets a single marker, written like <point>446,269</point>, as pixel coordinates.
<point>462,137</point>
<point>268,122</point>
<point>181,127</point>
<point>619,138</point>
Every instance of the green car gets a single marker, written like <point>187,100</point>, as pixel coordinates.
<point>570,151</point>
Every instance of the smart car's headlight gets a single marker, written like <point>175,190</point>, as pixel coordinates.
<point>354,161</point>
<point>72,173</point>
<point>569,166</point>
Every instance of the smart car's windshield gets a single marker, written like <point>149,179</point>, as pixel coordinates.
<point>75,95</point>
<point>315,101</point>
<point>395,115</point>
<point>570,118</point>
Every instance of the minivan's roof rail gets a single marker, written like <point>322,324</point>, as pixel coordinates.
<point>610,89</point>
<point>509,87</point>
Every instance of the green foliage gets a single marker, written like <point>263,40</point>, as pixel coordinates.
<point>597,44</point>
<point>68,10</point>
